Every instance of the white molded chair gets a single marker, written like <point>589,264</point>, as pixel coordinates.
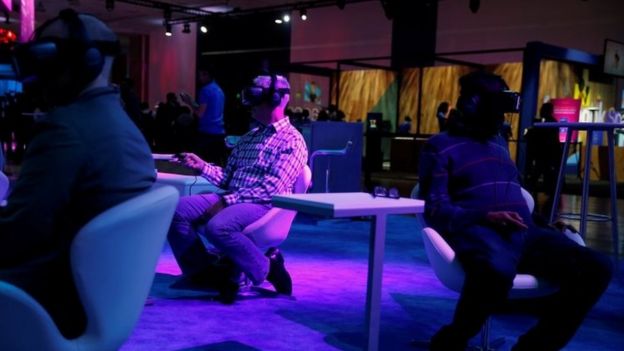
<point>113,259</point>
<point>449,271</point>
<point>272,228</point>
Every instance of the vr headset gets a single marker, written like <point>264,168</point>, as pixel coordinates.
<point>257,95</point>
<point>31,60</point>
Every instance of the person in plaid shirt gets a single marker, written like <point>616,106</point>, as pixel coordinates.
<point>266,161</point>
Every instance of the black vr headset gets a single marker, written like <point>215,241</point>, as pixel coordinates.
<point>257,95</point>
<point>46,59</point>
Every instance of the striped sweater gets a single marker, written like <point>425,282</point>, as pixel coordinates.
<point>462,179</point>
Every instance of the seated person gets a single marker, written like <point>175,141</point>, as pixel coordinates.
<point>85,157</point>
<point>266,161</point>
<point>473,198</point>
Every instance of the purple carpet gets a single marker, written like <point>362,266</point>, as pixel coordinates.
<point>328,263</point>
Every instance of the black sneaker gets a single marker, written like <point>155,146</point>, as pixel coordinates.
<point>278,275</point>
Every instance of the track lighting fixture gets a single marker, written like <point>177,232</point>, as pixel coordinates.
<point>303,14</point>
<point>168,29</point>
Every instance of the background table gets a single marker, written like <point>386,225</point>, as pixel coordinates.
<point>336,205</point>
<point>590,128</point>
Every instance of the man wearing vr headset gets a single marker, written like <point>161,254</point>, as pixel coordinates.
<point>266,161</point>
<point>473,198</point>
<point>85,157</point>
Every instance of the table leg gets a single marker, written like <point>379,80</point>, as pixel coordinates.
<point>586,173</point>
<point>564,159</point>
<point>612,186</point>
<point>375,274</point>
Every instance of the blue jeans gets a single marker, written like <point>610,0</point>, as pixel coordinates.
<point>224,231</point>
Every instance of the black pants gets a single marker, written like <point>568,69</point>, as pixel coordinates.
<point>491,261</point>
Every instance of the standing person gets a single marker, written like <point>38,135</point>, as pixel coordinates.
<point>164,123</point>
<point>210,144</point>
<point>443,109</point>
<point>473,198</point>
<point>85,157</point>
<point>266,161</point>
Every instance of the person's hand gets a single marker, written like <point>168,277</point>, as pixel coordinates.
<point>190,160</point>
<point>506,219</point>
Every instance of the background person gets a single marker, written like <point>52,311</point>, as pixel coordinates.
<point>210,144</point>
<point>85,157</point>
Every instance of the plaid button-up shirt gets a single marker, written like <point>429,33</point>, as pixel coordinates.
<point>266,161</point>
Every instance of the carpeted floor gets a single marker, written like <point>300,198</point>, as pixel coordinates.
<point>328,263</point>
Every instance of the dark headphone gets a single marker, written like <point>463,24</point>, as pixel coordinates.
<point>256,95</point>
<point>47,59</point>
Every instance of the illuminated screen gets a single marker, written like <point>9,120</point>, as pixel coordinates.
<point>308,91</point>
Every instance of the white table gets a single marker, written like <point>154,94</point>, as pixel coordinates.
<point>337,205</point>
<point>187,184</point>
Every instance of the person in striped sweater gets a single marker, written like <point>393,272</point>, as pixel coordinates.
<point>473,197</point>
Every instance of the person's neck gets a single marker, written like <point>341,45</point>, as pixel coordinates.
<point>270,118</point>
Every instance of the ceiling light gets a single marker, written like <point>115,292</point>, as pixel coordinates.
<point>286,18</point>
<point>110,5</point>
<point>187,28</point>
<point>303,13</point>
<point>341,4</point>
<point>279,21</point>
<point>203,29</point>
<point>168,29</point>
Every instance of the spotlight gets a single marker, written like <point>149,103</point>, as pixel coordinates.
<point>341,4</point>
<point>187,28</point>
<point>168,29</point>
<point>303,13</point>
<point>110,5</point>
<point>474,5</point>
<point>279,21</point>
<point>286,18</point>
<point>203,29</point>
<point>167,13</point>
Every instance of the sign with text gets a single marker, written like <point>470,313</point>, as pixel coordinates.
<point>566,110</point>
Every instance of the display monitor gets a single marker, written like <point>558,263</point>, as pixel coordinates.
<point>374,121</point>
<point>614,58</point>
